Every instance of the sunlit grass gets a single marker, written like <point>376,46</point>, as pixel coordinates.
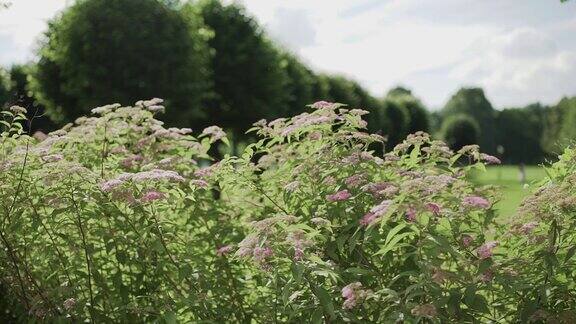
<point>513,191</point>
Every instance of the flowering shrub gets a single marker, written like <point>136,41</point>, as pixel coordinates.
<point>117,218</point>
<point>541,246</point>
<point>113,219</point>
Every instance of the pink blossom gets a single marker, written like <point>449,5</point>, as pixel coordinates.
<point>260,254</point>
<point>476,202</point>
<point>111,185</point>
<point>322,104</point>
<point>375,213</point>
<point>354,180</point>
<point>157,174</point>
<point>487,276</point>
<point>151,196</point>
<point>215,133</point>
<point>467,240</point>
<point>354,294</point>
<point>434,208</point>
<point>224,250</point>
<point>485,251</point>
<point>489,159</point>
<point>528,227</point>
<point>339,196</point>
<point>200,183</point>
<point>411,214</point>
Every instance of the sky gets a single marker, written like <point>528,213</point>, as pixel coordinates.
<point>519,51</point>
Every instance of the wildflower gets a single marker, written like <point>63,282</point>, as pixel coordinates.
<point>320,221</point>
<point>18,110</point>
<point>487,276</point>
<point>339,196</point>
<point>247,245</point>
<point>489,159</point>
<point>411,214</point>
<point>476,202</point>
<point>156,108</point>
<point>485,250</point>
<point>299,243</point>
<point>322,104</point>
<point>354,294</point>
<point>354,180</point>
<point>292,186</point>
<point>376,188</point>
<point>200,183</point>
<point>152,195</point>
<point>375,213</point>
<point>467,240</point>
<point>105,109</point>
<point>111,185</point>
<point>157,174</point>
<point>222,251</point>
<point>434,208</point>
<point>528,227</point>
<point>260,254</point>
<point>69,303</point>
<point>425,310</point>
<point>215,133</point>
<point>52,158</point>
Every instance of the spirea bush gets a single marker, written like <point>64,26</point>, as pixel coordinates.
<point>118,219</point>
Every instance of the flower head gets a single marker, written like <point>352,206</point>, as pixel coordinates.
<point>152,195</point>
<point>339,196</point>
<point>353,294</point>
<point>485,251</point>
<point>222,251</point>
<point>476,202</point>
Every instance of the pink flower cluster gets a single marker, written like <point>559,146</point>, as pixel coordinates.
<point>322,104</point>
<point>489,159</point>
<point>151,196</point>
<point>224,250</point>
<point>215,133</point>
<point>339,196</point>
<point>354,294</point>
<point>375,213</point>
<point>434,208</point>
<point>476,202</point>
<point>425,310</point>
<point>485,251</point>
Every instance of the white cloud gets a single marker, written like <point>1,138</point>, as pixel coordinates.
<point>518,67</point>
<point>293,27</point>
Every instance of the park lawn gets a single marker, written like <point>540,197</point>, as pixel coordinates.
<point>507,177</point>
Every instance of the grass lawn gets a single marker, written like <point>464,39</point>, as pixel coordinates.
<point>507,177</point>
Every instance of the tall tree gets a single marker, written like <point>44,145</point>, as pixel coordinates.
<point>520,131</point>
<point>472,102</point>
<point>300,85</point>
<point>419,116</point>
<point>103,51</point>
<point>460,130</point>
<point>4,87</point>
<point>249,80</point>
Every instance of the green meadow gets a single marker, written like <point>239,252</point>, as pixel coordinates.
<point>508,178</point>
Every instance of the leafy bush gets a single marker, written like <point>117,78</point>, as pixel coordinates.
<point>459,131</point>
<point>117,218</point>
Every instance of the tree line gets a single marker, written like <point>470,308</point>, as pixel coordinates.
<point>213,64</point>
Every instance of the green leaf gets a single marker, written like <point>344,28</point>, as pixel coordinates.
<point>170,318</point>
<point>325,299</point>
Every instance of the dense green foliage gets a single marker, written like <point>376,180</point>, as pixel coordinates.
<point>122,50</point>
<point>115,219</point>
<point>4,87</point>
<point>559,128</point>
<point>473,102</point>
<point>460,130</point>
<point>249,79</point>
<point>520,131</point>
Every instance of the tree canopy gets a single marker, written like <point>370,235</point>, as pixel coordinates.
<point>100,51</point>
